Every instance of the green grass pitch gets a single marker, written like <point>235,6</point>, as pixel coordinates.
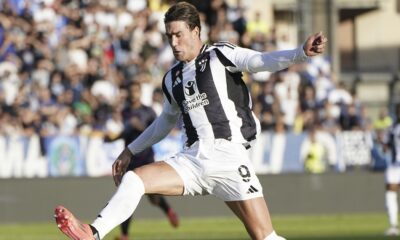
<point>294,227</point>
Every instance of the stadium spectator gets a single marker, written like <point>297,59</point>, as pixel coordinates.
<point>384,121</point>
<point>9,81</point>
<point>380,152</point>
<point>319,151</point>
<point>312,153</point>
<point>323,85</point>
<point>283,43</point>
<point>257,26</point>
<point>365,120</point>
<point>340,95</point>
<point>349,119</point>
<point>235,15</point>
<point>287,92</point>
<point>157,101</point>
<point>267,106</point>
<point>190,90</point>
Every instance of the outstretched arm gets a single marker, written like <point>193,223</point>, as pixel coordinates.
<point>278,60</point>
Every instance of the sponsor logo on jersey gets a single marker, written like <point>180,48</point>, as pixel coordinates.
<point>198,101</point>
<point>189,88</point>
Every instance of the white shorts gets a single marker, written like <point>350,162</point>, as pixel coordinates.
<point>218,167</point>
<point>392,174</point>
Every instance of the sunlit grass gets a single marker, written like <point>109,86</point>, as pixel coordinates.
<point>324,227</point>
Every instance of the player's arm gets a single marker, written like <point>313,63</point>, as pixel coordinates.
<point>278,60</point>
<point>160,128</point>
<point>154,133</point>
<point>275,61</point>
<point>244,59</point>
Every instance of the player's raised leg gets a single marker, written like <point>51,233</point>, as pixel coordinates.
<point>255,216</point>
<point>124,202</point>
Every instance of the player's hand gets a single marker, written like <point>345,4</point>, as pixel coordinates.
<point>315,44</point>
<point>120,165</point>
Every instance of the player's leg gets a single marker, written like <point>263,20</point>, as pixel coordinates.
<point>255,216</point>
<point>392,209</point>
<point>141,159</point>
<point>125,200</point>
<point>233,179</point>
<point>392,180</point>
<point>124,229</point>
<point>161,202</point>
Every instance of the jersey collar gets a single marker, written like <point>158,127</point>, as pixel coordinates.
<point>202,50</point>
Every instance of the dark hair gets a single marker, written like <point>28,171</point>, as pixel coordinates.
<point>183,11</point>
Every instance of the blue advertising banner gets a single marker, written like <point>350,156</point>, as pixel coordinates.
<point>64,156</point>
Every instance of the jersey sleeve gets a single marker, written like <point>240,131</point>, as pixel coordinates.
<point>276,60</point>
<point>236,58</point>
<point>244,59</point>
<point>159,129</point>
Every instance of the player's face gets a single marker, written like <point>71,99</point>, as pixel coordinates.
<point>182,40</point>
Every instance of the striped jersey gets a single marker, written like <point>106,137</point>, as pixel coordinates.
<point>394,140</point>
<point>211,95</point>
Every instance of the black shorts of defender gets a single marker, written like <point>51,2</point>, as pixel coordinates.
<point>142,158</point>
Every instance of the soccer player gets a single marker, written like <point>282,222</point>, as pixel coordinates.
<point>392,177</point>
<point>136,118</point>
<point>205,87</point>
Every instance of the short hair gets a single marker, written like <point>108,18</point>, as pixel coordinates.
<point>183,11</point>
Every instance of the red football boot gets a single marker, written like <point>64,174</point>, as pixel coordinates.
<point>173,218</point>
<point>71,226</point>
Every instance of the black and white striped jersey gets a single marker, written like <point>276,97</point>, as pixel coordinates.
<point>211,96</point>
<point>210,93</point>
<point>394,140</point>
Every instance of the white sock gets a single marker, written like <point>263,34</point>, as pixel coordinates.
<point>122,204</point>
<point>392,207</point>
<point>274,236</point>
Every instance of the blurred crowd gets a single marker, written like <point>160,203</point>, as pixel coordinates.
<point>66,65</point>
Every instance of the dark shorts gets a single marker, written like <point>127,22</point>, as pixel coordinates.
<point>143,158</point>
